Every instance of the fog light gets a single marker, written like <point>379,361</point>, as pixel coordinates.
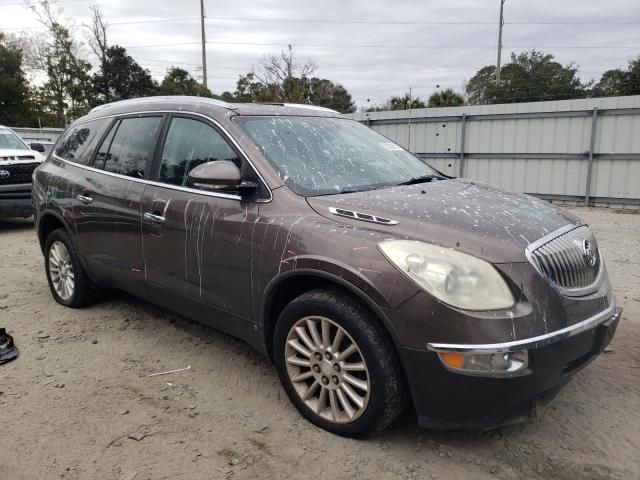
<point>490,364</point>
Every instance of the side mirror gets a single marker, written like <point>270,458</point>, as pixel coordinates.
<point>218,176</point>
<point>38,147</point>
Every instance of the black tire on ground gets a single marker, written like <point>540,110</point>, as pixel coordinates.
<point>84,290</point>
<point>387,396</point>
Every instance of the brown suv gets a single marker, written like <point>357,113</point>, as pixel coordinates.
<point>366,276</point>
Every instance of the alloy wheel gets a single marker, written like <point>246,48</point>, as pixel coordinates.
<point>61,270</point>
<point>327,369</point>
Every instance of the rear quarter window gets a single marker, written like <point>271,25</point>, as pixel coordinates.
<point>77,143</point>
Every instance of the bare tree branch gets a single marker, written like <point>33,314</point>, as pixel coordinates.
<point>281,71</point>
<point>97,35</point>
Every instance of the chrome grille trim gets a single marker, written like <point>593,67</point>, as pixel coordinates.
<point>560,258</point>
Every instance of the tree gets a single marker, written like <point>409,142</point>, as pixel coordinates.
<point>619,82</point>
<point>250,89</point>
<point>178,81</point>
<point>14,89</point>
<point>67,91</point>
<point>121,77</point>
<point>446,98</point>
<point>403,102</point>
<point>281,79</point>
<point>529,77</point>
<point>327,94</point>
<point>285,76</point>
<point>97,38</point>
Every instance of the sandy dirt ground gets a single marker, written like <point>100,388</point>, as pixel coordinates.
<point>77,403</point>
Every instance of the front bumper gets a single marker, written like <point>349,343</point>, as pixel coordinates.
<point>15,200</point>
<point>448,400</point>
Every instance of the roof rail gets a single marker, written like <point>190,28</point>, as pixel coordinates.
<point>310,107</point>
<point>168,98</point>
<point>299,105</point>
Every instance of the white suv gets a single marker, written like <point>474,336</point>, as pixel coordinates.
<point>17,163</point>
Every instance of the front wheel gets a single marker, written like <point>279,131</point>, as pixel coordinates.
<point>337,365</point>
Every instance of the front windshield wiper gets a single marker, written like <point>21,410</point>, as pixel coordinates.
<point>422,179</point>
<point>353,190</point>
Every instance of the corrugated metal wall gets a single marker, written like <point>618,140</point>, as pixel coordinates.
<point>542,148</point>
<point>35,134</point>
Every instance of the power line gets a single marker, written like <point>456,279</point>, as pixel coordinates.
<point>347,22</point>
<point>391,22</point>
<point>27,5</point>
<point>160,20</point>
<point>326,45</point>
<point>159,63</point>
<point>155,45</point>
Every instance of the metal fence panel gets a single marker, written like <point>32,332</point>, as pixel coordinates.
<point>35,134</point>
<point>542,148</point>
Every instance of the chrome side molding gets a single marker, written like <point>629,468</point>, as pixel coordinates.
<point>609,313</point>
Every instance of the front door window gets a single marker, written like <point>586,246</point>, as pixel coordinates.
<point>190,143</point>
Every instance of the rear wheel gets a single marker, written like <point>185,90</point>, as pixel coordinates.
<point>336,364</point>
<point>69,283</point>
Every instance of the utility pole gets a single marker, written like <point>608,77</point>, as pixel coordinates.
<point>204,45</point>
<point>409,123</point>
<point>500,24</point>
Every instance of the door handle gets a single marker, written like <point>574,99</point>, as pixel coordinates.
<point>84,198</point>
<point>152,217</point>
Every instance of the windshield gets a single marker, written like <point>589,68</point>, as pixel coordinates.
<point>11,141</point>
<point>321,155</point>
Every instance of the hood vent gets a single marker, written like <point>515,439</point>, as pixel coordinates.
<point>365,217</point>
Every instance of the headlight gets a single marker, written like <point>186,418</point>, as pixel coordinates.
<point>453,277</point>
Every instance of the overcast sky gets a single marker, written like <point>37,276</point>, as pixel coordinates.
<point>374,48</point>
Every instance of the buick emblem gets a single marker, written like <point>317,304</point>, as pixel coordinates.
<point>4,174</point>
<point>589,253</point>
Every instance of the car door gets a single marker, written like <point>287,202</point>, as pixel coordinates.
<point>197,244</point>
<point>107,213</point>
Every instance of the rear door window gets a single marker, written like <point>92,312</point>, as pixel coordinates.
<point>190,143</point>
<point>128,148</point>
<point>75,145</point>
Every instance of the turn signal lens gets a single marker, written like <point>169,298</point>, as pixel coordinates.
<point>486,364</point>
<point>455,360</point>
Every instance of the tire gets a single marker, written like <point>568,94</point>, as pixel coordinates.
<point>82,292</point>
<point>375,407</point>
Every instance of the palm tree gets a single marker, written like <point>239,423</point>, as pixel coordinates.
<point>405,102</point>
<point>446,98</point>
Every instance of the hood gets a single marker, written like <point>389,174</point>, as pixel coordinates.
<point>484,221</point>
<point>14,155</point>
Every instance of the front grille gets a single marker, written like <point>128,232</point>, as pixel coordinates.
<point>570,260</point>
<point>17,157</point>
<point>17,173</point>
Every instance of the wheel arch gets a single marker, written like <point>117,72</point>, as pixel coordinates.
<point>287,286</point>
<point>48,221</point>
